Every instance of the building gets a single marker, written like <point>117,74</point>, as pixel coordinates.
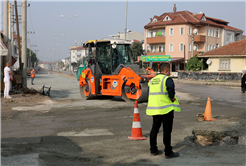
<point>183,34</point>
<point>230,58</point>
<point>129,35</point>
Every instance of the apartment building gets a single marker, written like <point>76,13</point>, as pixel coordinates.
<point>183,34</point>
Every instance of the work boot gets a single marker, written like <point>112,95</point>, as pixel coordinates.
<point>174,154</point>
<point>156,153</point>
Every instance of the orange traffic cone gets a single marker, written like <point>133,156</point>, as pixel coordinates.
<point>208,111</point>
<point>136,125</point>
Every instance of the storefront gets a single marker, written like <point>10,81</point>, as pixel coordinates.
<point>176,64</point>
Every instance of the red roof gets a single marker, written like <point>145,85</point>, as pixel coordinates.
<point>187,17</point>
<point>78,48</point>
<point>235,48</point>
<point>217,19</point>
<point>232,28</point>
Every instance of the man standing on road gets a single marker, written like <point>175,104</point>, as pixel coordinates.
<point>7,73</point>
<point>32,76</point>
<point>161,105</point>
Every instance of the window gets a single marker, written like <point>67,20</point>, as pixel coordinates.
<point>73,56</point>
<point>196,48</point>
<point>207,47</point>
<point>203,18</point>
<point>151,33</point>
<point>218,33</point>
<point>208,32</point>
<point>147,48</point>
<point>182,31</point>
<point>229,37</point>
<point>154,20</point>
<point>181,47</point>
<point>214,33</point>
<point>161,48</point>
<point>154,48</point>
<point>171,32</point>
<point>147,34</point>
<point>225,64</point>
<point>160,33</point>
<point>167,18</point>
<point>190,29</point>
<point>151,48</point>
<point>213,46</point>
<point>189,47</point>
<point>217,45</point>
<point>164,32</point>
<point>154,34</point>
<point>170,47</point>
<point>73,51</point>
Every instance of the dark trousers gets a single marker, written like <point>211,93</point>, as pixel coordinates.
<point>167,121</point>
<point>32,78</point>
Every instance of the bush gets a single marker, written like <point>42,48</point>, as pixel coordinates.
<point>194,64</point>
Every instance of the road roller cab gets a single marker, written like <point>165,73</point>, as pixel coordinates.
<point>110,72</point>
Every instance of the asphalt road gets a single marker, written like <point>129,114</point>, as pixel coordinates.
<point>67,130</point>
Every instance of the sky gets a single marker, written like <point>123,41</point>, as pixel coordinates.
<point>99,19</point>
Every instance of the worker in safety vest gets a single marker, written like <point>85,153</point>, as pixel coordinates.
<point>161,105</point>
<point>32,76</point>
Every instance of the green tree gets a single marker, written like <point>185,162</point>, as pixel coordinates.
<point>195,64</point>
<point>33,56</point>
<point>137,50</point>
<point>60,64</point>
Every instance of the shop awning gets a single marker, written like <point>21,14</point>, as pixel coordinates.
<point>3,49</point>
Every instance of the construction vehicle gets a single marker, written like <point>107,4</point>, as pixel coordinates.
<point>109,71</point>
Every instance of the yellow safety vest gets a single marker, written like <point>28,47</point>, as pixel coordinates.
<point>159,103</point>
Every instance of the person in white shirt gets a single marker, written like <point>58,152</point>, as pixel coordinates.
<point>7,73</point>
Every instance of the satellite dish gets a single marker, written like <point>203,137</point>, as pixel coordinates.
<point>209,62</point>
<point>195,47</point>
<point>195,31</point>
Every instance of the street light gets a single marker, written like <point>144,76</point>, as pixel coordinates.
<point>59,46</point>
<point>70,38</point>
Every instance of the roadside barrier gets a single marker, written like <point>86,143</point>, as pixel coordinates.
<point>136,125</point>
<point>208,111</point>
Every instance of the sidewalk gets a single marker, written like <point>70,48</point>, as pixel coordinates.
<point>234,84</point>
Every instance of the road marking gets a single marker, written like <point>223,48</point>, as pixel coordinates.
<point>86,133</point>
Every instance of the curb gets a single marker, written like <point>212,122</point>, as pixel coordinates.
<point>209,83</point>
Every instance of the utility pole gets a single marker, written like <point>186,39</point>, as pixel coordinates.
<point>5,29</point>
<point>18,36</point>
<point>192,44</point>
<point>125,21</point>
<point>9,37</point>
<point>24,44</point>
<point>12,32</point>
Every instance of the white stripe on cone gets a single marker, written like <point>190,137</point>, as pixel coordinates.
<point>136,125</point>
<point>136,110</point>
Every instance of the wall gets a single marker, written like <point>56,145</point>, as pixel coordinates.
<point>207,76</point>
<point>237,64</point>
<point>225,37</point>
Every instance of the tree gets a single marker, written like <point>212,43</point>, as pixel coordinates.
<point>60,64</point>
<point>33,56</point>
<point>137,50</point>
<point>195,64</point>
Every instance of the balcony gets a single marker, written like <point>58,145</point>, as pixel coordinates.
<point>197,52</point>
<point>156,40</point>
<point>155,53</point>
<point>199,39</point>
